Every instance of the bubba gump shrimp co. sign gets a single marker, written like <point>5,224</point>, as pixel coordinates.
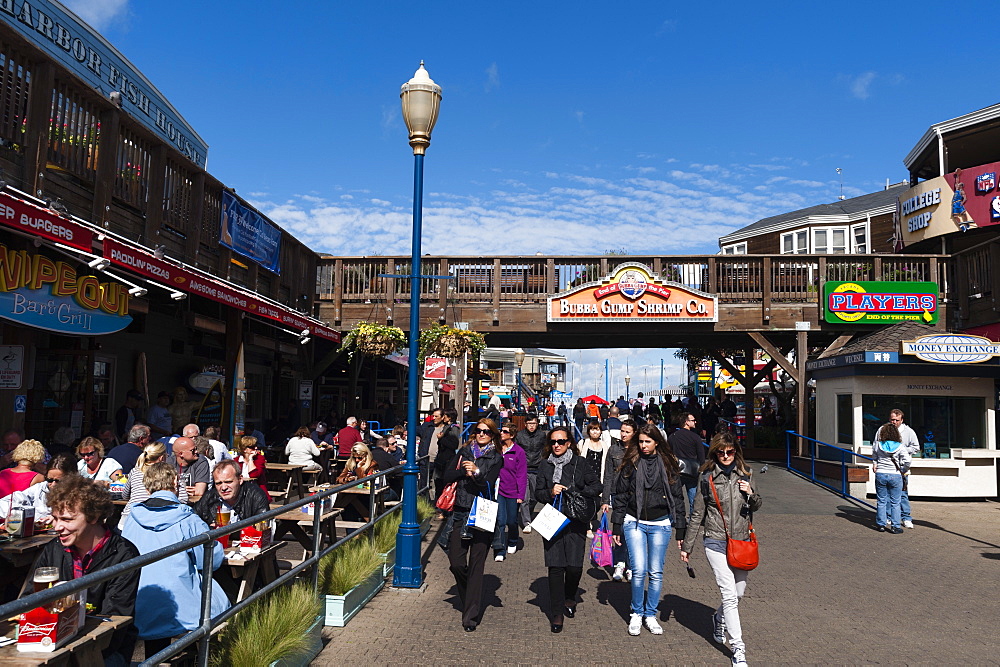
<point>632,293</point>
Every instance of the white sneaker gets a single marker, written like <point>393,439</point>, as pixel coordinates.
<point>619,572</point>
<point>652,625</point>
<point>512,549</point>
<point>527,528</point>
<point>498,558</point>
<point>908,524</point>
<point>718,629</point>
<point>628,575</point>
<point>634,624</point>
<point>739,657</point>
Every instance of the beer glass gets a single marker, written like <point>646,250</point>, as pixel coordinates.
<point>45,577</point>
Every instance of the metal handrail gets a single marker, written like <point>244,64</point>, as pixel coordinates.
<point>207,541</point>
<point>843,491</point>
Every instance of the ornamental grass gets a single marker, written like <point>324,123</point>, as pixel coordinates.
<point>347,566</point>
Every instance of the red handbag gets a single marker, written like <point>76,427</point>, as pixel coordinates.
<point>446,499</point>
<point>740,554</point>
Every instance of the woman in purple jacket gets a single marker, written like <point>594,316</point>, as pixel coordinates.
<point>513,483</point>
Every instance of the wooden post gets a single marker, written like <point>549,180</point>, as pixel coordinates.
<point>768,287</point>
<point>749,384</point>
<point>390,290</point>
<point>496,289</point>
<point>107,162</point>
<point>443,284</point>
<point>36,141</point>
<point>459,392</point>
<point>154,206</point>
<point>195,221</point>
<point>801,354</point>
<point>338,290</point>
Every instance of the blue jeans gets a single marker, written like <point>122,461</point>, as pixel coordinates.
<point>904,506</point>
<point>888,489</point>
<point>691,486</point>
<point>506,532</point>
<point>647,547</point>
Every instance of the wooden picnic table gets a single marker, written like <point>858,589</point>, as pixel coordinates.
<point>22,551</point>
<point>296,521</point>
<point>358,499</point>
<point>244,567</point>
<point>293,473</point>
<point>83,651</point>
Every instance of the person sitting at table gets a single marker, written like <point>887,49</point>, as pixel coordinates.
<point>26,455</point>
<point>135,489</point>
<point>94,465</point>
<point>169,599</point>
<point>385,461</point>
<point>368,436</point>
<point>253,464</point>
<point>37,495</point>
<point>243,500</point>
<point>80,511</point>
<point>322,435</point>
<point>192,468</point>
<point>361,464</point>
<point>347,437</point>
<point>301,449</point>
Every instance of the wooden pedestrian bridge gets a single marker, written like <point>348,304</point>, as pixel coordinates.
<point>516,300</point>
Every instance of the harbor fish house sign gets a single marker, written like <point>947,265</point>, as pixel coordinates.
<point>632,293</point>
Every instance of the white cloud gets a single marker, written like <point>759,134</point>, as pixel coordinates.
<point>99,14</point>
<point>579,117</point>
<point>492,78</point>
<point>860,85</point>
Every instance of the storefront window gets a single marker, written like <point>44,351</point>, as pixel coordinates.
<point>845,421</point>
<point>952,422</point>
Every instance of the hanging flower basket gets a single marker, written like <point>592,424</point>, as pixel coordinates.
<point>374,340</point>
<point>445,341</point>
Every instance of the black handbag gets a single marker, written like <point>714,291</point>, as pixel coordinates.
<point>577,506</point>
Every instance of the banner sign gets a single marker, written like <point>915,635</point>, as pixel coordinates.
<point>852,359</point>
<point>181,279</point>
<point>880,302</point>
<point>435,368</point>
<point>248,233</point>
<point>77,47</point>
<point>950,348</point>
<point>632,293</point>
<point>959,201</point>
<point>37,221</point>
<point>47,294</point>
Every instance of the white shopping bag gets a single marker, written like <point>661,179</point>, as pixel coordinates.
<point>483,515</point>
<point>549,521</point>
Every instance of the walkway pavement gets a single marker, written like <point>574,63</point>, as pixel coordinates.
<point>830,589</point>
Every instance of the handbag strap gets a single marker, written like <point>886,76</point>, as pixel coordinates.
<point>719,505</point>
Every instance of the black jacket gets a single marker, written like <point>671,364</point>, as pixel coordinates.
<point>114,597</point>
<point>532,444</point>
<point>424,433</point>
<point>469,487</point>
<point>250,500</point>
<point>578,475</point>
<point>612,462</point>
<point>653,506</point>
<point>686,444</point>
<point>447,446</point>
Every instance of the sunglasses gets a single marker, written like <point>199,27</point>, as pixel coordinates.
<point>559,441</point>
<point>87,455</point>
<point>49,480</point>
<point>483,430</point>
<point>727,452</point>
<point>505,430</point>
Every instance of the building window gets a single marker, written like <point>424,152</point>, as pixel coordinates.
<point>735,249</point>
<point>830,240</point>
<point>951,422</point>
<point>845,420</point>
<point>859,237</point>
<point>795,243</point>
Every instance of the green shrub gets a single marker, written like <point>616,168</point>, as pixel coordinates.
<point>385,532</point>
<point>273,628</point>
<point>347,566</point>
<point>425,509</point>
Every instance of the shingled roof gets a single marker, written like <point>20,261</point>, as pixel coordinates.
<point>855,208</point>
<point>887,339</point>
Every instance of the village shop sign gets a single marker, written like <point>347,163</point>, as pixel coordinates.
<point>952,348</point>
<point>880,302</point>
<point>47,294</point>
<point>632,293</point>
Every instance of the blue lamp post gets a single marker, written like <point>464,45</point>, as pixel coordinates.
<point>421,99</point>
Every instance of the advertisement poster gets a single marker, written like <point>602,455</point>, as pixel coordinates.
<point>248,233</point>
<point>880,302</point>
<point>11,366</point>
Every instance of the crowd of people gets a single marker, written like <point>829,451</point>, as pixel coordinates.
<point>652,488</point>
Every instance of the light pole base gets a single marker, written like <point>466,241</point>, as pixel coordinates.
<point>408,571</point>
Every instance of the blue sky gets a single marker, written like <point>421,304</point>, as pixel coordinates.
<point>565,128</point>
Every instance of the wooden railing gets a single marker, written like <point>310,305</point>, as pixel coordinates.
<point>519,280</point>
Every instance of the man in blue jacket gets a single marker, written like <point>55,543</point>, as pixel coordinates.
<point>169,598</point>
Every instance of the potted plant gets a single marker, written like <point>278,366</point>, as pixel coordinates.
<point>445,341</point>
<point>283,629</point>
<point>384,540</point>
<point>374,340</point>
<point>425,510</point>
<point>348,578</point>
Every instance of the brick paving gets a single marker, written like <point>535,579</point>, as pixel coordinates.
<point>830,589</point>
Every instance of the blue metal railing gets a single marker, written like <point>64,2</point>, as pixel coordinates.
<point>738,430</point>
<point>814,445</point>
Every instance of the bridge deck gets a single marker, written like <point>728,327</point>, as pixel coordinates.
<point>830,589</point>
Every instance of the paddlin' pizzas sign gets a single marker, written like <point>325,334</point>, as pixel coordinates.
<point>632,293</point>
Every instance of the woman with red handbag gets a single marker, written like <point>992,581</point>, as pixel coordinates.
<point>724,506</point>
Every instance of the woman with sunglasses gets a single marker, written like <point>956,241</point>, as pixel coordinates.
<point>563,468</point>
<point>475,469</point>
<point>510,493</point>
<point>253,463</point>
<point>360,464</point>
<point>93,464</point>
<point>727,472</point>
<point>649,506</point>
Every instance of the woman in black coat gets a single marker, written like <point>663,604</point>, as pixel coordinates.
<point>476,468</point>
<point>562,468</point>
